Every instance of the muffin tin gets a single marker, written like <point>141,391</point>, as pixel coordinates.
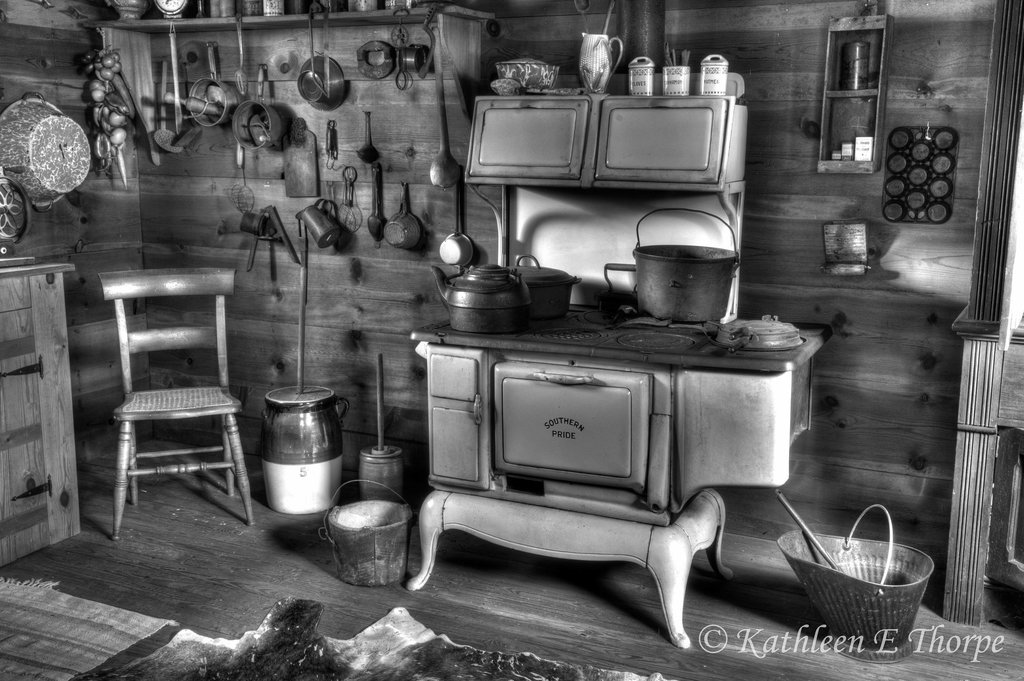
<point>920,172</point>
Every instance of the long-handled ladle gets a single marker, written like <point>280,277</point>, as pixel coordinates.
<point>445,170</point>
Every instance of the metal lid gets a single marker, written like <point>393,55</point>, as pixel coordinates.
<point>535,275</point>
<point>767,333</point>
<point>486,278</point>
<point>292,397</point>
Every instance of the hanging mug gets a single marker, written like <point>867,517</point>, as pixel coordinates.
<point>595,64</point>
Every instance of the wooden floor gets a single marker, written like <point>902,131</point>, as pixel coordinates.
<point>186,555</point>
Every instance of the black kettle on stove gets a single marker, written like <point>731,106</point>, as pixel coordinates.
<point>485,299</point>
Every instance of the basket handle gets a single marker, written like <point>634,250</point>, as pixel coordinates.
<point>324,531</point>
<point>888,555</point>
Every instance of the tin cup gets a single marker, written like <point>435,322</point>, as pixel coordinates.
<point>675,81</point>
<point>641,77</point>
<point>714,75</point>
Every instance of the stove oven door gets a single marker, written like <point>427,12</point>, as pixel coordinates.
<point>460,426</point>
<point>578,424</point>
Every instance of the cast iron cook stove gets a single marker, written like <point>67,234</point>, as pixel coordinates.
<point>588,439</point>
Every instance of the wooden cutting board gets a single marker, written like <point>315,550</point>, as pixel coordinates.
<point>300,164</point>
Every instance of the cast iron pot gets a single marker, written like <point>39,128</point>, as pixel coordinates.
<point>486,299</point>
<point>550,288</point>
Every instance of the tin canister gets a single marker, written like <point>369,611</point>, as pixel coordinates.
<point>273,8</point>
<point>714,74</point>
<point>854,74</point>
<point>641,77</point>
<point>675,81</point>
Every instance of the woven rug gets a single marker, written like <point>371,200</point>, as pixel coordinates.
<point>287,647</point>
<point>46,635</point>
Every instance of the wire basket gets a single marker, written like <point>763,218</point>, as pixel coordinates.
<point>872,599</point>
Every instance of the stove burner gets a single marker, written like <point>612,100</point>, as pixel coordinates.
<point>570,335</point>
<point>655,340</point>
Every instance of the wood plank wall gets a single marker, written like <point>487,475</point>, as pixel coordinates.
<point>885,387</point>
<point>95,227</point>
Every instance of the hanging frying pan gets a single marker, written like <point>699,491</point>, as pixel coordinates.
<point>321,81</point>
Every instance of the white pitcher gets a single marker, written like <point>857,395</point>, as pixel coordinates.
<point>596,65</point>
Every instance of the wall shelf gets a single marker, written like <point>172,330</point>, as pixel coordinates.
<point>853,104</point>
<point>415,17</point>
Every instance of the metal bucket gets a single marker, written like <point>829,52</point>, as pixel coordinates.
<point>872,599</point>
<point>370,540</point>
<point>301,448</point>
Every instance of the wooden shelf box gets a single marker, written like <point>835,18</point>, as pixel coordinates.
<point>853,103</point>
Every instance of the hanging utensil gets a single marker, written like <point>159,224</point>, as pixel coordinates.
<point>321,81</point>
<point>188,133</point>
<point>367,153</point>
<point>403,229</point>
<point>163,137</point>
<point>457,248</point>
<point>332,145</point>
<point>375,223</point>
<point>445,170</point>
<point>240,81</point>
<point>211,101</point>
<point>351,215</point>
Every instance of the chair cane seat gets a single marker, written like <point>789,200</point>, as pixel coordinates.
<point>177,403</point>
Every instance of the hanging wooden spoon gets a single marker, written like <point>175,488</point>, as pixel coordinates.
<point>445,170</point>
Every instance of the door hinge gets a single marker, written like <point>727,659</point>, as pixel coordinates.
<point>25,370</point>
<point>38,489</point>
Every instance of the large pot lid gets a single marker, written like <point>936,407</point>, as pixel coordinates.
<point>535,275</point>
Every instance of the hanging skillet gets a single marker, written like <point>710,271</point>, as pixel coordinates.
<point>321,81</point>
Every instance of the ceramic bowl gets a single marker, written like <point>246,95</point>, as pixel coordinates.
<point>531,74</point>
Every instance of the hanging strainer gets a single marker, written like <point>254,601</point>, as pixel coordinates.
<point>241,196</point>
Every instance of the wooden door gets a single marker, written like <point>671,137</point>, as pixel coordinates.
<point>24,523</point>
<point>1006,533</point>
<point>37,452</point>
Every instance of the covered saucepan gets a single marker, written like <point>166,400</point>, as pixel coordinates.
<point>550,288</point>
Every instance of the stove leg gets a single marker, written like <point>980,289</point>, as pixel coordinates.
<point>671,555</point>
<point>431,525</point>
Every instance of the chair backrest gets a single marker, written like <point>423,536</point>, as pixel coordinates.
<point>130,285</point>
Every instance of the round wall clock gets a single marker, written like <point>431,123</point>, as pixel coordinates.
<point>172,9</point>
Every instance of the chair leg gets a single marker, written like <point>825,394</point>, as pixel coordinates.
<point>133,481</point>
<point>238,456</point>
<point>229,474</point>
<point>124,455</point>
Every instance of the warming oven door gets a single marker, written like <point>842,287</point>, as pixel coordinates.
<point>579,424</point>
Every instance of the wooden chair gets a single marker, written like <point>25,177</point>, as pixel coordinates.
<point>211,285</point>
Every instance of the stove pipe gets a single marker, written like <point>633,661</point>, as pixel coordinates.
<point>642,31</point>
